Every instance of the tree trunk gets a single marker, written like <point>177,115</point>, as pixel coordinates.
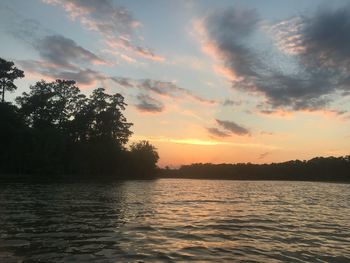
<point>3,94</point>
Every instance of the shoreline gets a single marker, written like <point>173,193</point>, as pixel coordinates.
<point>15,178</point>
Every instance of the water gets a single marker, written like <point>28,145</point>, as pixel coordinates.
<point>170,220</point>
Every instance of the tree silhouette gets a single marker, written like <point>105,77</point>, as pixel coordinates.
<point>55,129</point>
<point>51,104</point>
<point>58,130</point>
<point>8,73</point>
<point>145,157</point>
<point>11,133</point>
<point>317,169</point>
<point>108,122</point>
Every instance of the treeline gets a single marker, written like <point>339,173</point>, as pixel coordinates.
<point>54,129</point>
<point>316,169</point>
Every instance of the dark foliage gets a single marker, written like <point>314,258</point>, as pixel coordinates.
<point>55,129</point>
<point>145,153</point>
<point>316,169</point>
<point>8,73</point>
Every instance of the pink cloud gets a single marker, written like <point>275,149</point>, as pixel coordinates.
<point>286,35</point>
<point>85,78</point>
<point>125,43</point>
<point>210,48</point>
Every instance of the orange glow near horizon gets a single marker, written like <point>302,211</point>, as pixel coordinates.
<point>203,81</point>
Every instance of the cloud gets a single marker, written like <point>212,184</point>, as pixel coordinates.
<point>263,155</point>
<point>83,76</point>
<point>316,68</point>
<point>102,16</point>
<point>52,71</point>
<point>276,113</point>
<point>217,133</point>
<point>229,102</point>
<point>266,133</point>
<point>321,45</point>
<point>123,82</point>
<point>60,57</point>
<point>287,36</point>
<point>63,51</point>
<point>230,128</point>
<point>148,104</point>
<point>52,47</point>
<point>125,43</point>
<point>169,89</point>
<point>326,38</point>
<point>226,32</point>
<point>233,127</point>
<point>160,88</point>
<point>115,23</point>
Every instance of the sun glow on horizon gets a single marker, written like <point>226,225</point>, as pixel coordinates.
<point>233,82</point>
<point>192,141</point>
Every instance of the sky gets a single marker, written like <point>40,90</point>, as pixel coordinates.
<point>205,81</point>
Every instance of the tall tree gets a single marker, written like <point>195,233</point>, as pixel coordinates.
<point>8,74</point>
<point>108,122</point>
<point>51,104</point>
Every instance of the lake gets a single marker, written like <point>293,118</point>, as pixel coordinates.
<point>175,220</point>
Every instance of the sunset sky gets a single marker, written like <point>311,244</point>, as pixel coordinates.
<point>205,81</point>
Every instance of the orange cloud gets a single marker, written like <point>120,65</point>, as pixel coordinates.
<point>125,43</point>
<point>209,47</point>
<point>226,72</point>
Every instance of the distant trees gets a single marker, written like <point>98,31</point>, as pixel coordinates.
<point>8,73</point>
<point>58,130</point>
<point>316,169</point>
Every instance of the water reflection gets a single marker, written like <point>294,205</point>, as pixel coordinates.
<point>171,220</point>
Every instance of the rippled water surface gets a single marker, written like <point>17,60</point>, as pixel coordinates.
<point>171,220</point>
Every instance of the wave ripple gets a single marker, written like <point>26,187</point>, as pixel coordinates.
<point>175,220</point>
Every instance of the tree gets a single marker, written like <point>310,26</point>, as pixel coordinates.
<point>108,123</point>
<point>8,73</point>
<point>100,131</point>
<point>55,129</point>
<point>51,104</point>
<point>54,104</point>
<point>145,157</point>
<point>11,134</point>
<point>73,131</point>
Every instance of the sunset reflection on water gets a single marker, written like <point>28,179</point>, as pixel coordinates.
<point>170,220</point>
